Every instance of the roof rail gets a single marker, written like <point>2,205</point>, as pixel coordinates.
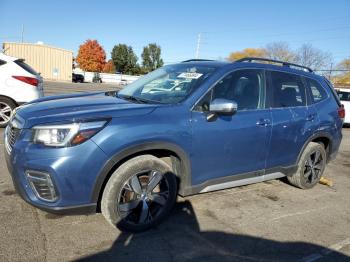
<point>251,59</point>
<point>196,60</point>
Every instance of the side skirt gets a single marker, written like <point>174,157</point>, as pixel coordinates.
<point>240,180</point>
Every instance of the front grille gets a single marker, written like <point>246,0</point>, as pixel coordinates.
<point>12,134</point>
<point>42,185</point>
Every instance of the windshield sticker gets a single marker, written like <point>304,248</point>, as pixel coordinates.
<point>190,75</point>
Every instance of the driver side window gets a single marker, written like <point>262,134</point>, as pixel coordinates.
<point>245,87</point>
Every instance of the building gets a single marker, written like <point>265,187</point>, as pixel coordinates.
<point>53,63</point>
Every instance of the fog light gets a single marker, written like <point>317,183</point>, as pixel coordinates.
<point>42,185</point>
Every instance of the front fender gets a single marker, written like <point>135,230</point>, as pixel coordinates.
<point>119,158</point>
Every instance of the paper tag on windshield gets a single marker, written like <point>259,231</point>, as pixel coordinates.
<point>190,75</point>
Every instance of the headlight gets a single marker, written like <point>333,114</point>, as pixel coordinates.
<point>66,135</point>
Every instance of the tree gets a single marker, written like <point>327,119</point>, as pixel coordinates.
<point>247,52</point>
<point>309,56</point>
<point>91,56</point>
<point>344,77</point>
<point>109,67</point>
<point>124,59</point>
<point>280,51</point>
<point>151,59</point>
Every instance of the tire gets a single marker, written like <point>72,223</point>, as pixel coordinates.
<point>136,208</point>
<point>6,110</point>
<point>310,167</point>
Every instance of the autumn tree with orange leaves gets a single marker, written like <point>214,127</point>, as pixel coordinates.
<point>91,56</point>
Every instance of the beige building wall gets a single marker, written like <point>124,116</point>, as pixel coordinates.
<point>53,63</point>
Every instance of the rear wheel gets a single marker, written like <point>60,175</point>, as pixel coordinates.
<point>6,110</point>
<point>310,168</point>
<point>139,194</point>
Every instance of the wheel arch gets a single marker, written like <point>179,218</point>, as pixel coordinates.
<point>321,137</point>
<point>178,157</point>
<point>7,97</point>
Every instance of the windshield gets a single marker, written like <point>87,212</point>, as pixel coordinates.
<point>169,84</point>
<point>344,96</point>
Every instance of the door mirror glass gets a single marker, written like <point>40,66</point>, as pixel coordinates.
<point>223,106</point>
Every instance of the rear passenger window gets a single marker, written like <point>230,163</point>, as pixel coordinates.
<point>288,90</point>
<point>316,90</point>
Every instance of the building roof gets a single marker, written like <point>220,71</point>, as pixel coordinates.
<point>37,45</point>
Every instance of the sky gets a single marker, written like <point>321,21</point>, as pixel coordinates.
<point>225,25</point>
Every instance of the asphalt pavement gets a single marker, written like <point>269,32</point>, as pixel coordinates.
<point>269,221</point>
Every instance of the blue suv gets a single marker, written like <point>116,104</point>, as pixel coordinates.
<point>187,128</point>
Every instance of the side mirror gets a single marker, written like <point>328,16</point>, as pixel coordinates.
<point>223,106</point>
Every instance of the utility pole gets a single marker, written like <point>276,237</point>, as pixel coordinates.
<point>198,45</point>
<point>330,72</point>
<point>22,32</point>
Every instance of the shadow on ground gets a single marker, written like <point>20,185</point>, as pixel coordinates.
<point>180,239</point>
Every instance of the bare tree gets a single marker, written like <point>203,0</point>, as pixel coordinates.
<point>312,57</point>
<point>280,51</point>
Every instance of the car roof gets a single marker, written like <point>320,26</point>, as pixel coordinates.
<point>204,62</point>
<point>218,64</point>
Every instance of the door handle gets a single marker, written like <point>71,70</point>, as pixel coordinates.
<point>263,122</point>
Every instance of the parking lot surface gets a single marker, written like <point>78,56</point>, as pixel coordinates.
<point>270,221</point>
<point>56,88</point>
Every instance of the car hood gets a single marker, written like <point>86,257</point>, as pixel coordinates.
<point>68,108</point>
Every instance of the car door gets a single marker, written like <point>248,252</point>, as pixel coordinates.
<point>226,145</point>
<point>293,122</point>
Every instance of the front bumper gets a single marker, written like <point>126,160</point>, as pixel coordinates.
<point>74,171</point>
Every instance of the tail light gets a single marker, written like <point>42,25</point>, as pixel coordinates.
<point>26,79</point>
<point>341,112</point>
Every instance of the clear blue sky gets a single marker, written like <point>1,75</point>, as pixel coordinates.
<point>225,25</point>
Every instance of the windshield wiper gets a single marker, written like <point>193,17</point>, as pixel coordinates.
<point>134,99</point>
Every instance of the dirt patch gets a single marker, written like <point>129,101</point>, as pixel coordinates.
<point>53,216</point>
<point>8,192</point>
<point>273,198</point>
<point>210,213</point>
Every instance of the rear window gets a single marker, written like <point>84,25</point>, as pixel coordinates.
<point>344,96</point>
<point>26,67</point>
<point>2,62</point>
<point>334,93</point>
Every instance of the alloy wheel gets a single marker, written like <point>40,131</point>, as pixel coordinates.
<point>314,166</point>
<point>5,113</point>
<point>143,197</point>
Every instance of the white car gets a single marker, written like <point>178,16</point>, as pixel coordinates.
<point>19,83</point>
<point>344,96</point>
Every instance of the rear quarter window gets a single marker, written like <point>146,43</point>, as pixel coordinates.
<point>317,92</point>
<point>26,67</point>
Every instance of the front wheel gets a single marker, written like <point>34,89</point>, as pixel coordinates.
<point>139,194</point>
<point>310,167</point>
